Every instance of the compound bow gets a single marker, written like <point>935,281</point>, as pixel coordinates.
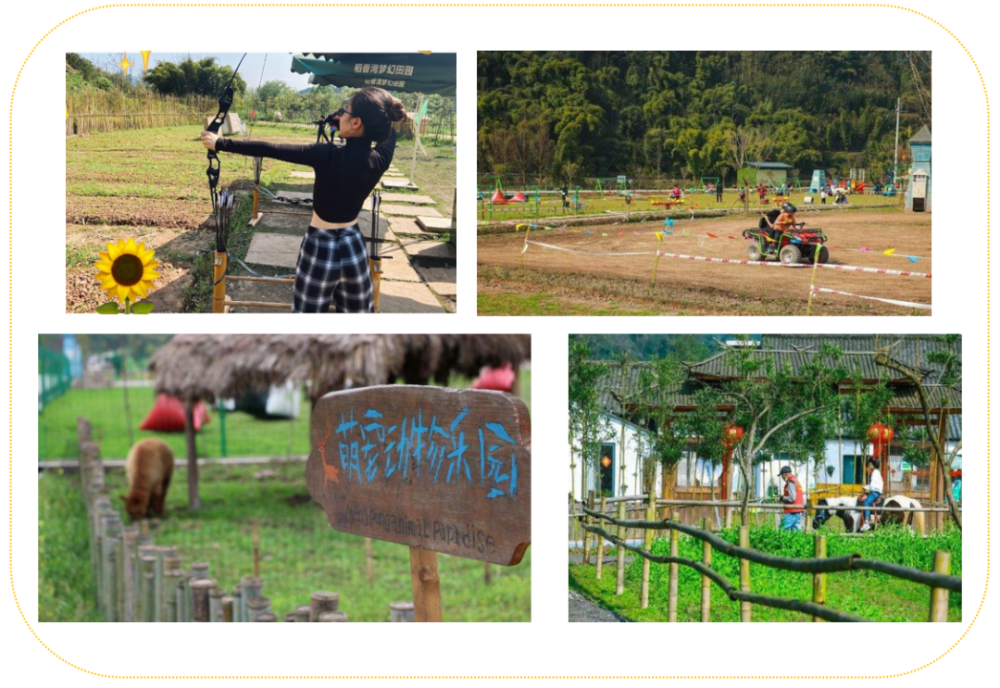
<point>214,164</point>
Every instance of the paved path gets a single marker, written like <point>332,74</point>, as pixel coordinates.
<point>582,609</point>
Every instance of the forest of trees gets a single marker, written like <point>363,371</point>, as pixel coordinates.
<point>649,347</point>
<point>206,77</point>
<point>560,117</point>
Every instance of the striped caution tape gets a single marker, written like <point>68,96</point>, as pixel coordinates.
<point>894,302</point>
<point>875,271</point>
<point>588,253</point>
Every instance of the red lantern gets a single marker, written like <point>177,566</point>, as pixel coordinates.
<point>880,436</point>
<point>730,438</point>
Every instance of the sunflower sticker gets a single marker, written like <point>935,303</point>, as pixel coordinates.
<point>126,272</point>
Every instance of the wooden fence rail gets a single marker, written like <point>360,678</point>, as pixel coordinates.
<point>939,580</point>
<point>136,580</point>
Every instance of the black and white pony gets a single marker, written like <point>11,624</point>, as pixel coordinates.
<point>849,510</point>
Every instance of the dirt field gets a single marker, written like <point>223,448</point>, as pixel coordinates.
<point>554,282</point>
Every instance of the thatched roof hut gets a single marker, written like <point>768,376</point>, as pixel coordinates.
<point>208,367</point>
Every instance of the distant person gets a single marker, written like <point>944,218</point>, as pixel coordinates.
<point>718,192</point>
<point>794,500</point>
<point>565,196</point>
<point>822,196</point>
<point>333,262</point>
<point>873,490</point>
<point>743,194</point>
<point>675,193</point>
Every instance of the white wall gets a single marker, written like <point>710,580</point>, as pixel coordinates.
<point>612,434</point>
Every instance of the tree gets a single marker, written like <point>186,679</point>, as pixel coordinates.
<point>746,145</point>
<point>950,377</point>
<point>584,375</point>
<point>779,409</point>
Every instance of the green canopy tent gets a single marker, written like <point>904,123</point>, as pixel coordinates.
<point>422,73</point>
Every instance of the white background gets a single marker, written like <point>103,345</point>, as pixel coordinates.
<point>549,645</point>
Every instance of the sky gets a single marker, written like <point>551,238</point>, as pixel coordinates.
<point>276,68</point>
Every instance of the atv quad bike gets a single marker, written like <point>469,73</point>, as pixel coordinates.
<point>793,247</point>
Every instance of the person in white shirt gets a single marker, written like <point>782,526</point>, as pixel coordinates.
<point>873,490</point>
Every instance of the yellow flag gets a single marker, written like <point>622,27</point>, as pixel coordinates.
<point>889,252</point>
<point>659,236</point>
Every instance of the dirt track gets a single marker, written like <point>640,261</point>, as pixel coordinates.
<point>688,287</point>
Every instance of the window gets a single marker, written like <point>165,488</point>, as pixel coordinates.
<point>852,470</point>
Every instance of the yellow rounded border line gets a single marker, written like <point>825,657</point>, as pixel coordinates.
<point>490,5</point>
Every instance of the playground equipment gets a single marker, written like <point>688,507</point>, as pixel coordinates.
<point>818,182</point>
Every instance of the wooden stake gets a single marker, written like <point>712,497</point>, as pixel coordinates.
<point>426,585</point>
<point>620,584</point>
<point>322,601</point>
<point>939,596</point>
<point>648,546</point>
<point>706,584</point>
<point>256,549</point>
<point>375,270</point>
<point>600,544</point>
<point>587,535</point>
<point>745,574</point>
<point>674,571</point>
<point>819,579</point>
<point>369,562</point>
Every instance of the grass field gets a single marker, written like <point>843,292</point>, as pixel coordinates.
<point>613,269</point>
<point>595,205</point>
<point>300,553</point>
<point>870,595</point>
<point>245,435</point>
<point>150,184</point>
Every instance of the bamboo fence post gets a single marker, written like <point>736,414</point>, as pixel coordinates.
<point>172,578</point>
<point>572,518</point>
<point>199,570</point>
<point>674,570</point>
<point>745,574</point>
<point>251,587</point>
<point>322,601</point>
<point>939,596</point>
<point>201,590</point>
<point>328,617</point>
<point>180,595</point>
<point>130,537</point>
<point>620,584</point>
<point>706,583</point>
<point>171,563</point>
<point>302,613</point>
<point>237,596</point>
<point>600,543</point>
<point>400,612</point>
<point>262,617</point>
<point>147,565</point>
<point>648,545</point>
<point>227,608</point>
<point>290,617</point>
<point>158,569</point>
<point>111,524</point>
<point>257,607</point>
<point>587,535</point>
<point>121,570</point>
<point>819,579</point>
<point>215,596</point>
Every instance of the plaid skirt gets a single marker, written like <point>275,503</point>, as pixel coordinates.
<point>333,266</point>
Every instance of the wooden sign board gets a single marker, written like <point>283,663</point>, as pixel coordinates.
<point>431,468</point>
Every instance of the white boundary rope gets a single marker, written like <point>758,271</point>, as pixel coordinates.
<point>894,302</point>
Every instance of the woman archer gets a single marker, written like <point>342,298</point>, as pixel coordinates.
<point>333,263</point>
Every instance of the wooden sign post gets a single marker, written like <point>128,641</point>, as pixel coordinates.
<point>437,470</point>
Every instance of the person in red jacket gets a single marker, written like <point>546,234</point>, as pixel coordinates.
<point>794,499</point>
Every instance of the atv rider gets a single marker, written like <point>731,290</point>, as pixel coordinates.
<point>783,223</point>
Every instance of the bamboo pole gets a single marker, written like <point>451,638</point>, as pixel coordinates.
<point>819,579</point>
<point>237,596</point>
<point>745,609</point>
<point>587,535</point>
<point>400,612</point>
<point>648,546</point>
<point>147,565</point>
<point>251,587</point>
<point>302,613</point>
<point>674,571</point>
<point>600,545</point>
<point>219,283</point>
<point>939,596</point>
<point>172,579</point>
<point>620,582</point>
<point>256,549</point>
<point>321,602</point>
<point>328,617</point>
<point>706,583</point>
<point>426,585</point>
<point>228,605</point>
<point>215,597</point>
<point>201,590</point>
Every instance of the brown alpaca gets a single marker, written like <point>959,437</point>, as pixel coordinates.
<point>148,468</point>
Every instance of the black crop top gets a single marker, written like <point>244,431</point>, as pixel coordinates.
<point>345,175</point>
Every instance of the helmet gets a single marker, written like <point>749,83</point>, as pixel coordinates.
<point>788,207</point>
